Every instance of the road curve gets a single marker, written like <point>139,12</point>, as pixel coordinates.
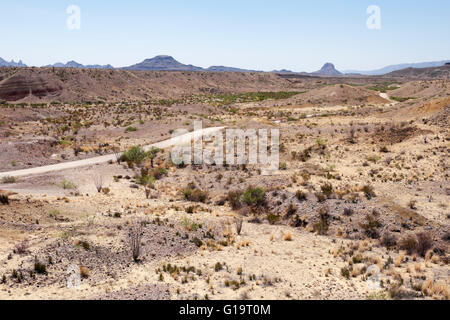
<point>103,159</point>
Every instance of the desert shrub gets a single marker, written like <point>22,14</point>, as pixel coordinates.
<point>272,218</point>
<point>145,180</point>
<point>348,211</point>
<point>21,247</point>
<point>85,272</point>
<point>134,155</point>
<point>197,242</point>
<point>39,267</point>
<point>9,179</point>
<point>234,198</point>
<point>158,173</point>
<point>130,129</point>
<point>254,196</point>
<point>424,243</point>
<point>66,184</point>
<point>300,195</point>
<point>291,209</point>
<point>194,194</point>
<point>370,226</point>
<point>368,191</point>
<point>106,190</point>
<point>408,243</point>
<point>4,199</point>
<point>345,272</point>
<point>283,166</point>
<point>327,189</point>
<point>388,240</point>
<point>321,226</point>
<point>218,266</point>
<point>189,225</point>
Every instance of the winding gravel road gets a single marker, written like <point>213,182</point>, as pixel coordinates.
<point>103,159</point>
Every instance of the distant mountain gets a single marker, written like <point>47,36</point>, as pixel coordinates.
<point>396,67</point>
<point>167,63</point>
<point>328,69</point>
<point>228,69</point>
<point>282,71</point>
<point>74,64</point>
<point>442,72</point>
<point>4,63</point>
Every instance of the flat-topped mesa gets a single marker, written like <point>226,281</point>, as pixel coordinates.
<point>328,69</point>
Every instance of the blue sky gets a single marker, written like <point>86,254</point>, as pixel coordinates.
<point>263,35</point>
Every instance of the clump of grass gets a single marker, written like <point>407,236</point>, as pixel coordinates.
<point>8,179</point>
<point>217,267</point>
<point>189,225</point>
<point>197,242</point>
<point>300,195</point>
<point>145,180</point>
<point>345,272</point>
<point>66,184</point>
<point>194,194</point>
<point>327,189</point>
<point>85,272</point>
<point>369,192</point>
<point>287,237</point>
<point>370,226</point>
<point>272,218</point>
<point>39,267</point>
<point>131,129</point>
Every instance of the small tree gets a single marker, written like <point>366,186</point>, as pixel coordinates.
<point>152,154</point>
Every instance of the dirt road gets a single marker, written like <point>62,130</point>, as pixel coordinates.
<point>103,159</point>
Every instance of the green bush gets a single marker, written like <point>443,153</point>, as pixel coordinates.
<point>134,155</point>
<point>145,180</point>
<point>66,184</point>
<point>254,196</point>
<point>130,129</point>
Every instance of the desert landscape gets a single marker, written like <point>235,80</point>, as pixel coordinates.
<point>359,208</point>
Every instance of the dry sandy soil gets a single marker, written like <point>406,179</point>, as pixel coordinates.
<point>358,210</point>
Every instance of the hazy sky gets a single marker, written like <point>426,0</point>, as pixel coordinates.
<point>263,35</point>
